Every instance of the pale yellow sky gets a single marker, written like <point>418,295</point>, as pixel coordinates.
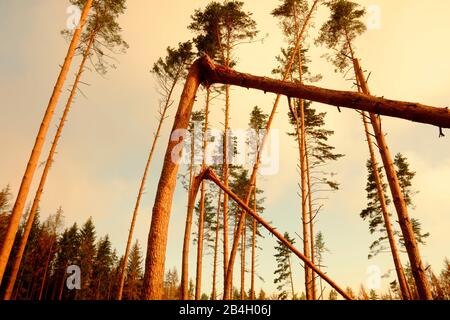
<point>104,146</point>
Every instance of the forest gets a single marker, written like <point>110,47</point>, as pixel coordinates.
<point>209,183</point>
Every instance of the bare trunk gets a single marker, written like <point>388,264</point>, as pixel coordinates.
<point>41,290</point>
<point>22,195</point>
<point>187,233</point>
<point>201,219</point>
<point>45,172</point>
<point>387,219</point>
<point>141,191</point>
<point>243,262</point>
<point>411,245</point>
<point>210,175</point>
<point>291,278</point>
<point>254,232</point>
<point>216,249</point>
<point>157,240</point>
<point>200,232</point>
<point>311,224</point>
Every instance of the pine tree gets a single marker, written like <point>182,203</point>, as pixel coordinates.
<point>284,271</point>
<point>101,269</point>
<point>133,282</point>
<point>168,72</point>
<point>220,28</point>
<point>338,33</point>
<point>30,170</point>
<point>258,121</point>
<point>87,255</point>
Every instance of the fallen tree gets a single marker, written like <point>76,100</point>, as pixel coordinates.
<point>205,71</point>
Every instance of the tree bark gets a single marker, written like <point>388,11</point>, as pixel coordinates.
<point>157,239</point>
<point>201,219</point>
<point>212,73</point>
<point>311,224</point>
<point>387,219</point>
<point>210,175</point>
<point>45,172</point>
<point>141,190</point>
<point>254,233</point>
<point>411,245</point>
<point>216,249</point>
<point>345,99</point>
<point>30,170</point>
<point>187,232</point>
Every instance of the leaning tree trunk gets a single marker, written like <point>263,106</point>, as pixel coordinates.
<point>142,187</point>
<point>210,175</point>
<point>17,210</point>
<point>157,239</point>
<point>212,73</point>
<point>387,219</point>
<point>411,245</point>
<point>48,165</point>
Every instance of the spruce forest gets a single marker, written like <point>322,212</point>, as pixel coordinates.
<point>225,150</point>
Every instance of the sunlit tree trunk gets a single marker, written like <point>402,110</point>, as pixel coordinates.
<point>24,189</point>
<point>387,219</point>
<point>411,245</point>
<point>254,233</point>
<point>311,223</point>
<point>216,249</point>
<point>157,240</point>
<point>45,172</point>
<point>187,232</point>
<point>142,187</point>
<point>201,219</point>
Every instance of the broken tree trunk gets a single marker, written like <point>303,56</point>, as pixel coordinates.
<point>205,70</point>
<point>210,175</point>
<point>415,112</point>
<point>411,245</point>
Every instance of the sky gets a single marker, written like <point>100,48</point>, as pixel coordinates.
<point>105,144</point>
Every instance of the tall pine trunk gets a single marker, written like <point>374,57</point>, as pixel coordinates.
<point>387,219</point>
<point>201,220</point>
<point>311,224</point>
<point>187,231</point>
<point>48,165</point>
<point>141,190</point>
<point>254,233</point>
<point>216,249</point>
<point>27,179</point>
<point>157,239</point>
<point>411,245</point>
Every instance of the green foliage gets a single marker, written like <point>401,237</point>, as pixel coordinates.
<point>174,66</point>
<point>220,27</point>
<point>333,295</point>
<point>342,28</point>
<point>283,271</point>
<point>102,24</point>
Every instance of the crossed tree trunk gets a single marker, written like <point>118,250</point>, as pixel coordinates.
<point>204,70</point>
